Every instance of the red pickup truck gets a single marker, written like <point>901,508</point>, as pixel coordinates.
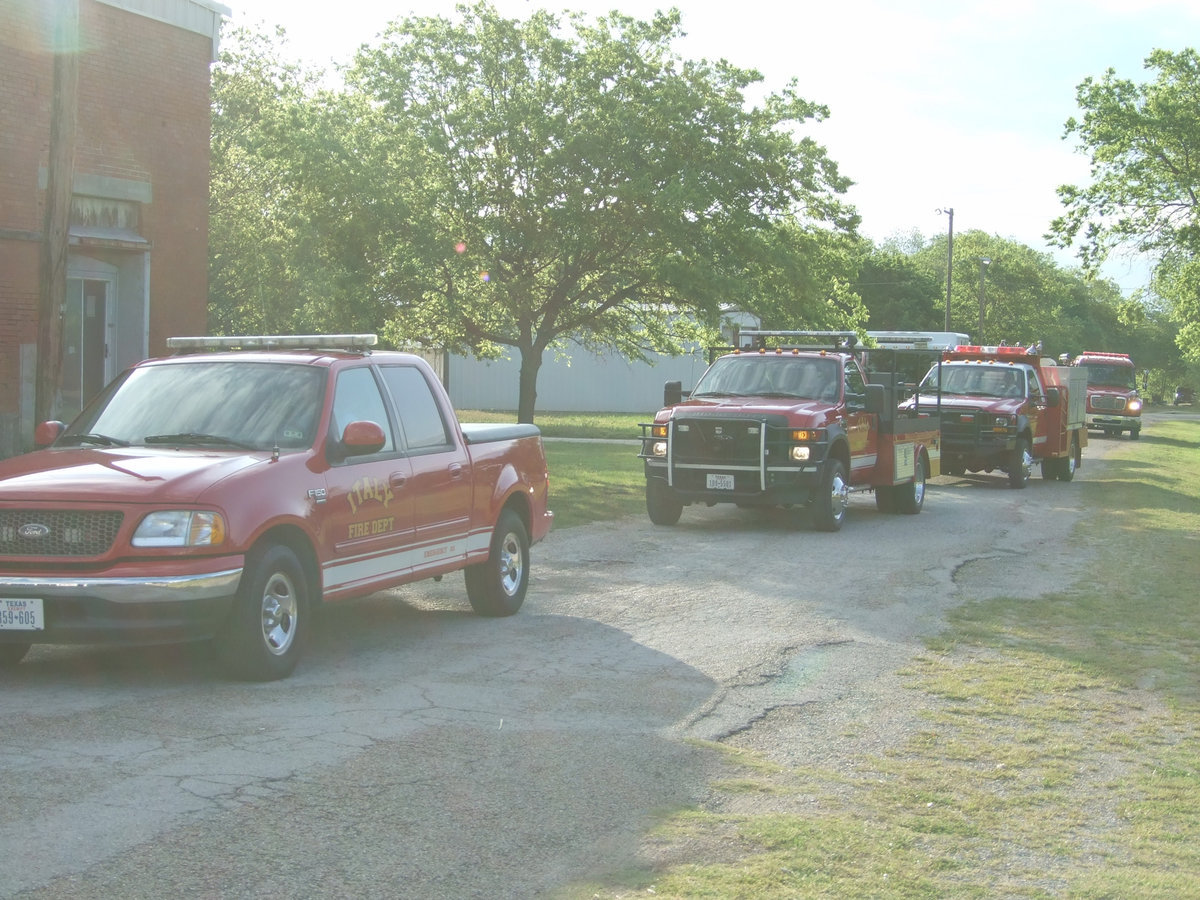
<point>792,426</point>
<point>223,492</point>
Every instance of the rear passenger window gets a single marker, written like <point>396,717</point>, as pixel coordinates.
<point>420,417</point>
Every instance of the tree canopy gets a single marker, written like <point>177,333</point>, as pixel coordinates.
<point>1142,140</point>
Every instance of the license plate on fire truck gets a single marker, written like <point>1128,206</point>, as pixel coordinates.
<point>21,614</point>
<point>719,482</point>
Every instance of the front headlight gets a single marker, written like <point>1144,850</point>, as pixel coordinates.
<point>180,528</point>
<point>801,454</point>
<point>659,448</point>
<point>1134,405</point>
<point>1003,423</point>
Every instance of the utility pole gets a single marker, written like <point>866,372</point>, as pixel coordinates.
<point>56,223</point>
<point>949,260</point>
<point>984,262</point>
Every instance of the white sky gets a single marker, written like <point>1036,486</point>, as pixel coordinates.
<point>933,103</point>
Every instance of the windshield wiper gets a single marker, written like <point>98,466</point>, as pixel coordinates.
<point>196,437</point>
<point>102,439</point>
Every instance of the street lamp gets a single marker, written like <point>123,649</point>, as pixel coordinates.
<point>984,262</point>
<point>949,260</point>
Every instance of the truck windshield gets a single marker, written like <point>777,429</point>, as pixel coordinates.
<point>973,380</point>
<point>206,403</point>
<point>771,376</point>
<point>1110,376</point>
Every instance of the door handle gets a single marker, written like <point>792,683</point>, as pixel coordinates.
<point>456,470</point>
<point>397,479</point>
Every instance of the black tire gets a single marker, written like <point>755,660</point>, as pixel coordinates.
<point>662,504</point>
<point>1135,433</point>
<point>1051,469</point>
<point>910,497</point>
<point>833,496</point>
<point>1068,464</point>
<point>1020,464</point>
<point>268,625</point>
<point>11,654</point>
<point>497,586</point>
<point>885,498</point>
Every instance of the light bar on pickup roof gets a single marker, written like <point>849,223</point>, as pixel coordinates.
<point>274,342</point>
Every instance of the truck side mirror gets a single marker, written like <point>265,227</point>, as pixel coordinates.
<point>876,400</point>
<point>672,393</point>
<point>359,439</point>
<point>47,433</point>
<point>1053,397</point>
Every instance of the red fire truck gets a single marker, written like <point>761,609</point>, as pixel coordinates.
<point>789,426</point>
<point>1113,404</point>
<point>1008,408</point>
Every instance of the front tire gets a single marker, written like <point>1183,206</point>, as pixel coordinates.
<point>833,496</point>
<point>1020,464</point>
<point>264,635</point>
<point>497,586</point>
<point>910,498</point>
<point>662,504</point>
<point>11,654</point>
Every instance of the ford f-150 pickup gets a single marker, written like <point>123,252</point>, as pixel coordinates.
<point>222,493</point>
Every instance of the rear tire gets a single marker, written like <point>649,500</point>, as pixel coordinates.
<point>662,504</point>
<point>910,498</point>
<point>11,654</point>
<point>264,635</point>
<point>885,498</point>
<point>1020,464</point>
<point>497,587</point>
<point>1068,465</point>
<point>833,496</point>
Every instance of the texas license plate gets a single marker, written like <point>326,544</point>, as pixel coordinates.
<point>21,614</point>
<point>719,482</point>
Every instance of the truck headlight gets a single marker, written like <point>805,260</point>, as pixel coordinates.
<point>180,528</point>
<point>1003,423</point>
<point>1134,405</point>
<point>801,454</point>
<point>659,448</point>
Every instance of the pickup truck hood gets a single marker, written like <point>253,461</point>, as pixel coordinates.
<point>810,413</point>
<point>956,402</point>
<point>125,475</point>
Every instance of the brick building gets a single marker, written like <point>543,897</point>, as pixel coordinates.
<point>137,242</point>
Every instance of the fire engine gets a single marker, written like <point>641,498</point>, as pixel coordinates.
<point>1008,408</point>
<point>1113,404</point>
<point>789,426</point>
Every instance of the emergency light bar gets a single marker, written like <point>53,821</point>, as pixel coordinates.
<point>998,351</point>
<point>1124,356</point>
<point>274,342</point>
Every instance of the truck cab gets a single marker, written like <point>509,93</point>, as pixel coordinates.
<point>1113,402</point>
<point>785,426</point>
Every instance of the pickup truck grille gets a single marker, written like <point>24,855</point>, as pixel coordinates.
<point>718,442</point>
<point>965,427</point>
<point>1108,402</point>
<point>62,533</point>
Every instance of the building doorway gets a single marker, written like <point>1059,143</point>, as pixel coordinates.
<point>87,324</point>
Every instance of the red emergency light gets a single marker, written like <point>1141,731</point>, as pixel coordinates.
<point>997,351</point>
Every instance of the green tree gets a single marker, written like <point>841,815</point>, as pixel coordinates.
<point>899,294</point>
<point>529,183</point>
<point>1142,140</point>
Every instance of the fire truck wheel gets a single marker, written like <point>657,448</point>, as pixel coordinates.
<point>1068,464</point>
<point>11,654</point>
<point>885,498</point>
<point>911,497</point>
<point>1020,464</point>
<point>833,496</point>
<point>262,639</point>
<point>663,506</point>
<point>497,587</point>
<point>1135,433</point>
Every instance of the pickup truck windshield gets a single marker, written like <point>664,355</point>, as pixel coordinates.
<point>771,376</point>
<point>209,404</point>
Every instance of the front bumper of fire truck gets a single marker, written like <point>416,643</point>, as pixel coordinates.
<point>783,470</point>
<point>1109,420</point>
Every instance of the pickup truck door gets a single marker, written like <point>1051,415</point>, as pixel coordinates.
<point>442,478</point>
<point>368,509</point>
<point>862,427</point>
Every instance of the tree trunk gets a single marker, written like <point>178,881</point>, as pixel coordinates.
<point>57,219</point>
<point>531,363</point>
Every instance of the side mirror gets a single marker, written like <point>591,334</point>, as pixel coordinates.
<point>1053,397</point>
<point>47,433</point>
<point>360,439</point>
<point>672,393</point>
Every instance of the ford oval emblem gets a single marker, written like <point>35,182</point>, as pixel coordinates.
<point>34,531</point>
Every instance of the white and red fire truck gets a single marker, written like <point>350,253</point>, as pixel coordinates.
<point>1113,403</point>
<point>1008,408</point>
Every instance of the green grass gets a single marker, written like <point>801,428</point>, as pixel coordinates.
<point>1059,755</point>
